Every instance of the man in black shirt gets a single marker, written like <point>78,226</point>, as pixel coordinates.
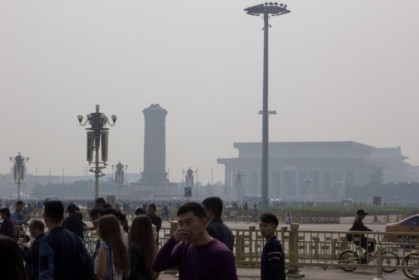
<point>73,222</point>
<point>216,228</point>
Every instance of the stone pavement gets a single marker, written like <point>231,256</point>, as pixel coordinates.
<point>312,273</point>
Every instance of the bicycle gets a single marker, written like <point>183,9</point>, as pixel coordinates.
<point>411,259</point>
<point>359,257</point>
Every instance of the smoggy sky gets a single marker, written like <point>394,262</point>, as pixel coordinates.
<point>344,70</point>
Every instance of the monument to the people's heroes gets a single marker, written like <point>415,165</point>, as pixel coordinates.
<point>154,182</point>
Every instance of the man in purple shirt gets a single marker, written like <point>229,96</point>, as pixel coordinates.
<point>194,251</point>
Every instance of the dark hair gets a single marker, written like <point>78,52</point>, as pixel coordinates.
<point>54,210</point>
<point>194,207</point>
<point>107,205</point>
<point>140,211</point>
<point>5,211</point>
<point>72,208</point>
<point>11,261</point>
<point>110,211</point>
<point>269,218</point>
<point>215,204</point>
<point>95,211</point>
<point>153,206</point>
<point>141,232</point>
<point>100,200</point>
<point>37,224</point>
<point>19,202</point>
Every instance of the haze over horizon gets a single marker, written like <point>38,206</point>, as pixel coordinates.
<point>339,71</point>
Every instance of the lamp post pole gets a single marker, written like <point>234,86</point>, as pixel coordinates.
<point>97,137</point>
<point>266,10</point>
<point>19,170</point>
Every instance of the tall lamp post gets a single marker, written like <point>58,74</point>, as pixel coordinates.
<point>97,137</point>
<point>19,170</point>
<point>266,10</point>
<point>120,171</point>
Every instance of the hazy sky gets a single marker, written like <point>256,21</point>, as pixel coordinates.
<point>342,70</point>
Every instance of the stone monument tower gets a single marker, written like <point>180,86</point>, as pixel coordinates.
<point>154,146</point>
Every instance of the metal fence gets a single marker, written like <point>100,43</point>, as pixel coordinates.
<point>314,248</point>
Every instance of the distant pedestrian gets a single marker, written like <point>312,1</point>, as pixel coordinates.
<point>272,265</point>
<point>7,227</point>
<point>73,222</point>
<point>197,255</point>
<point>288,217</point>
<point>216,228</point>
<point>156,220</point>
<point>100,202</point>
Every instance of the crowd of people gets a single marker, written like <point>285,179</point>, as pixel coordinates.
<point>200,248</point>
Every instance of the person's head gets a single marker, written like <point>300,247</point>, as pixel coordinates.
<point>72,208</point>
<point>100,202</point>
<point>360,215</point>
<point>109,228</point>
<point>95,214</point>
<point>268,223</point>
<point>5,213</point>
<point>36,228</point>
<point>151,209</point>
<point>109,231</point>
<point>361,212</point>
<point>140,211</point>
<point>53,213</point>
<point>191,216</point>
<point>19,205</point>
<point>213,207</point>
<point>11,261</point>
<point>141,232</point>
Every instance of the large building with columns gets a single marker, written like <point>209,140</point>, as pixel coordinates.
<point>308,171</point>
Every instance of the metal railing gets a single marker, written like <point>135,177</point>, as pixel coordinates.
<point>311,248</point>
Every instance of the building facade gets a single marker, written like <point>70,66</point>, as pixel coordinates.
<point>300,171</point>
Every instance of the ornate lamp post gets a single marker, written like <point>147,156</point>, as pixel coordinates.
<point>266,10</point>
<point>19,170</point>
<point>120,171</point>
<point>97,137</point>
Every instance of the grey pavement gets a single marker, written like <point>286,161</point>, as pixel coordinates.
<point>312,273</point>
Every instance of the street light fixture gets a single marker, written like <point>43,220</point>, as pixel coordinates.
<point>97,137</point>
<point>19,170</point>
<point>266,10</point>
<point>120,171</point>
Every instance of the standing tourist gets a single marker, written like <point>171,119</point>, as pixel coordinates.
<point>216,228</point>
<point>62,252</point>
<point>194,251</point>
<point>7,228</point>
<point>142,248</point>
<point>73,222</point>
<point>31,255</point>
<point>11,262</point>
<point>272,265</point>
<point>112,259</point>
<point>156,220</point>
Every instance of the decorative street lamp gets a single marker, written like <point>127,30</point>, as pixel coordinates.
<point>120,171</point>
<point>266,10</point>
<point>97,137</point>
<point>19,170</point>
